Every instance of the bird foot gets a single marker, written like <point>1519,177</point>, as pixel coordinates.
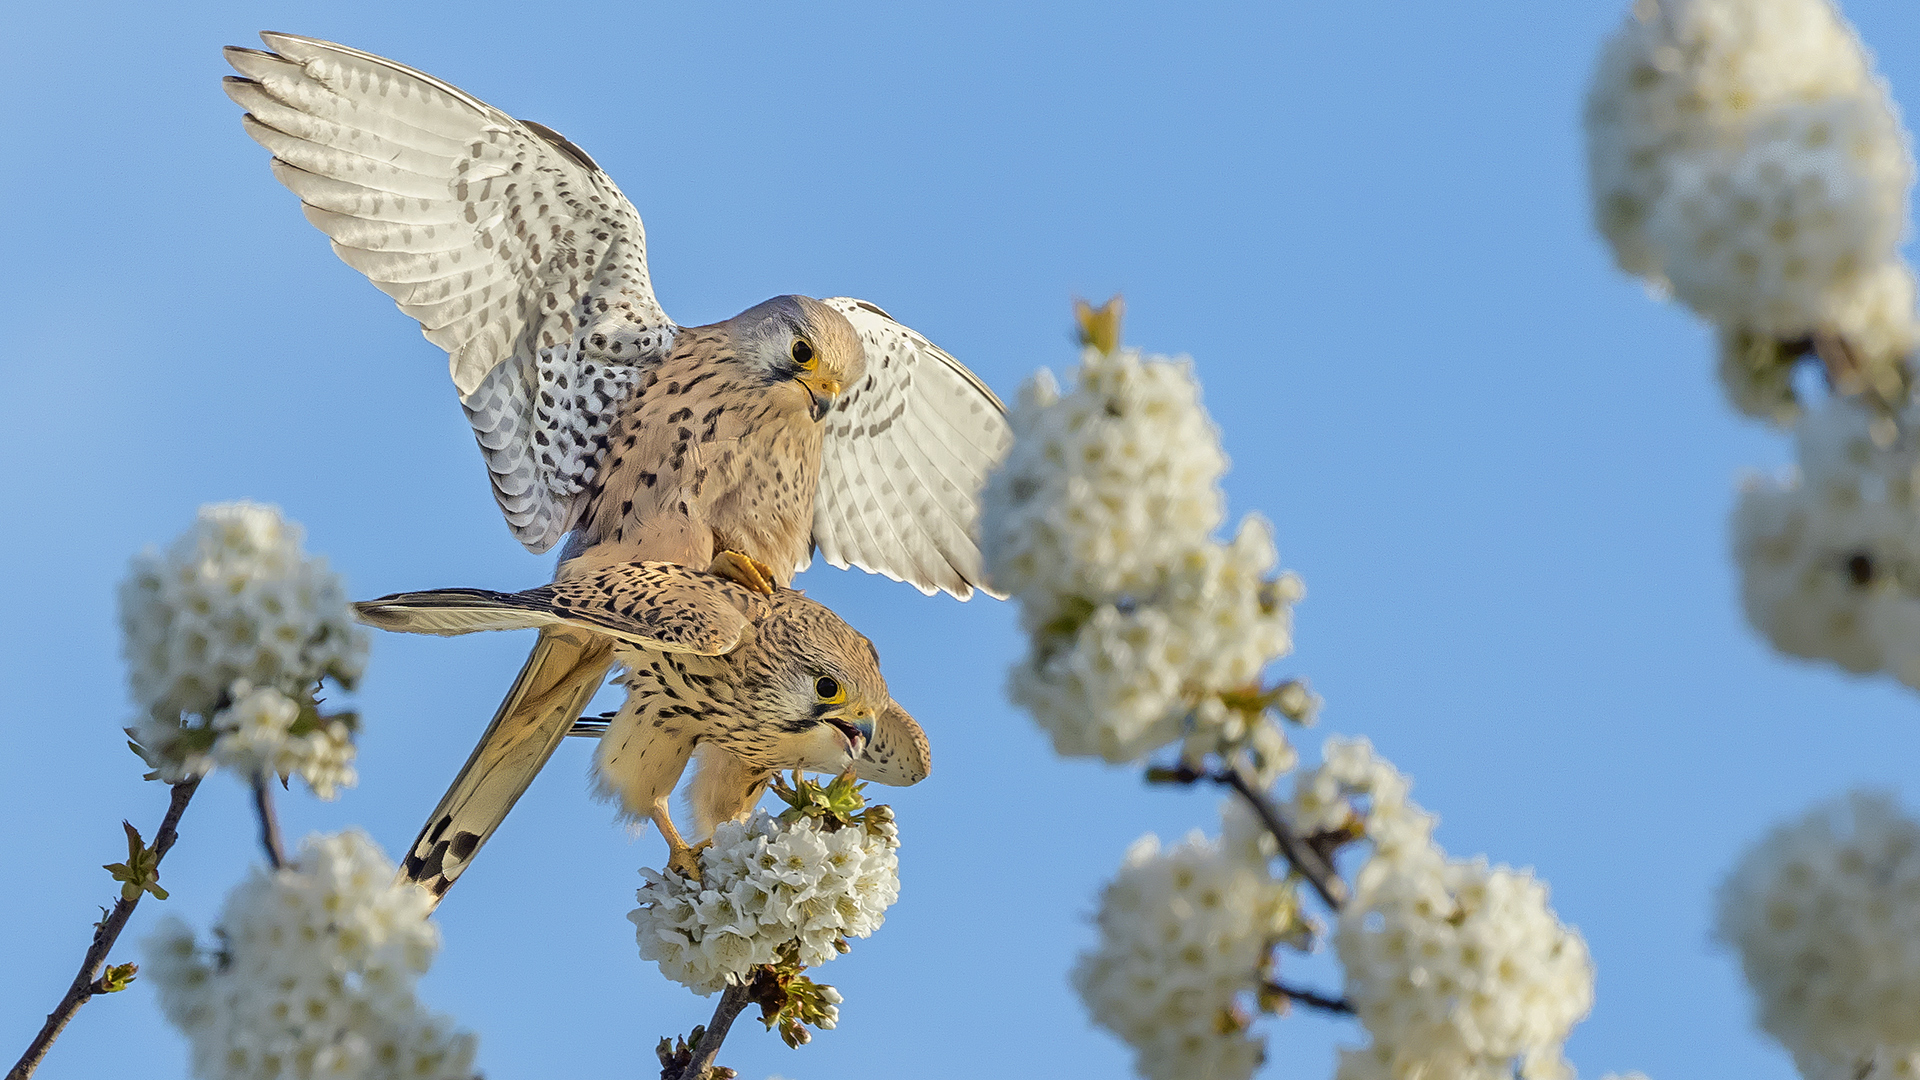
<point>685,859</point>
<point>743,570</point>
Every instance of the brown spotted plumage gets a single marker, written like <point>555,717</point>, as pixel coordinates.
<point>797,426</point>
<point>520,257</point>
<point>758,682</point>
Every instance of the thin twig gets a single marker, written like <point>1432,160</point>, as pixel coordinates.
<point>733,1001</point>
<point>105,933</point>
<point>269,821</point>
<point>1309,998</point>
<point>1299,854</point>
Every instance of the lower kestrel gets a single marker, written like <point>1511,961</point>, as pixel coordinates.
<point>768,682</point>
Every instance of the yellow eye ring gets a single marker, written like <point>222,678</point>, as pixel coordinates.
<point>829,690</point>
<point>802,352</point>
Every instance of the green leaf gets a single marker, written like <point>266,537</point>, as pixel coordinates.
<point>141,872</point>
<point>115,978</point>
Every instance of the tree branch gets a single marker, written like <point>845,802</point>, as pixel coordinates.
<point>1309,998</point>
<point>1306,861</point>
<point>269,821</point>
<point>706,1045</point>
<point>106,932</point>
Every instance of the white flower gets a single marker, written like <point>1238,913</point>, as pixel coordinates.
<point>1743,154</point>
<point>1825,914</point>
<point>1099,520</point>
<point>234,608</point>
<point>1779,235</point>
<point>1356,789</point>
<point>1104,486</point>
<point>765,884</point>
<point>255,736</point>
<point>313,975</point>
<point>1687,76</point>
<point>1830,559</point>
<point>1456,968</point>
<point>1185,932</point>
<point>1456,960</point>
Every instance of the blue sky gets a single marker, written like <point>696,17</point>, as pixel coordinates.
<point>1503,472</point>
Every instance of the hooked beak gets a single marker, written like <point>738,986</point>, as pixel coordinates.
<point>820,397</point>
<point>858,733</point>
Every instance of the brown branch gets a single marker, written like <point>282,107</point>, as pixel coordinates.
<point>694,1064</point>
<point>1309,998</point>
<point>1306,861</point>
<point>269,821</point>
<point>1302,853</point>
<point>105,933</point>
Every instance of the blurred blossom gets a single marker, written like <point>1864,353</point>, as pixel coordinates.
<point>1743,155</point>
<point>1100,521</point>
<point>311,974</point>
<point>1185,933</point>
<point>226,635</point>
<point>1830,558</point>
<point>1825,914</point>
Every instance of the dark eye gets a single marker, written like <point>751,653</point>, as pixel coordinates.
<point>802,352</point>
<point>827,688</point>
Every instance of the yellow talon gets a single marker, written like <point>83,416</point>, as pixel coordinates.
<point>685,859</point>
<point>744,570</point>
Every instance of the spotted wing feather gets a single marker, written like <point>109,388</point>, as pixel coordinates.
<point>906,451</point>
<point>515,252</point>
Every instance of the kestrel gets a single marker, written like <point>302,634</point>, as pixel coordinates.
<point>773,681</point>
<point>798,425</point>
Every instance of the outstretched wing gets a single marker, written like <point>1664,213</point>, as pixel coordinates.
<point>515,252</point>
<point>906,452</point>
<point>653,605</point>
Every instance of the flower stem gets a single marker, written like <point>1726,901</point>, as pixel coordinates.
<point>106,932</point>
<point>733,1000</point>
<point>1309,998</point>
<point>269,821</point>
<point>1310,864</point>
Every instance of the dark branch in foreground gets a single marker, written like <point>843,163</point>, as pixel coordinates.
<point>1309,998</point>
<point>269,821</point>
<point>695,1058</point>
<point>1302,857</point>
<point>1305,858</point>
<point>106,932</point>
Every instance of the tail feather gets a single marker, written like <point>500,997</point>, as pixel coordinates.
<point>455,611</point>
<point>567,667</point>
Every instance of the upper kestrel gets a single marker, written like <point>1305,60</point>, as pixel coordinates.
<point>797,424</point>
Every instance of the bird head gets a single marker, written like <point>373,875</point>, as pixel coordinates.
<point>815,682</point>
<point>801,343</point>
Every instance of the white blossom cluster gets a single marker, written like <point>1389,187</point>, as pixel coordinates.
<point>1830,558</point>
<point>1355,789</point>
<point>1455,967</point>
<point>226,634</point>
<point>256,735</point>
<point>765,884</point>
<point>1825,914</point>
<point>312,976</point>
<point>1185,933</point>
<point>1100,522</point>
<point>1744,154</point>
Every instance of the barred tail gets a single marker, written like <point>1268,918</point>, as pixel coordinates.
<point>567,667</point>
